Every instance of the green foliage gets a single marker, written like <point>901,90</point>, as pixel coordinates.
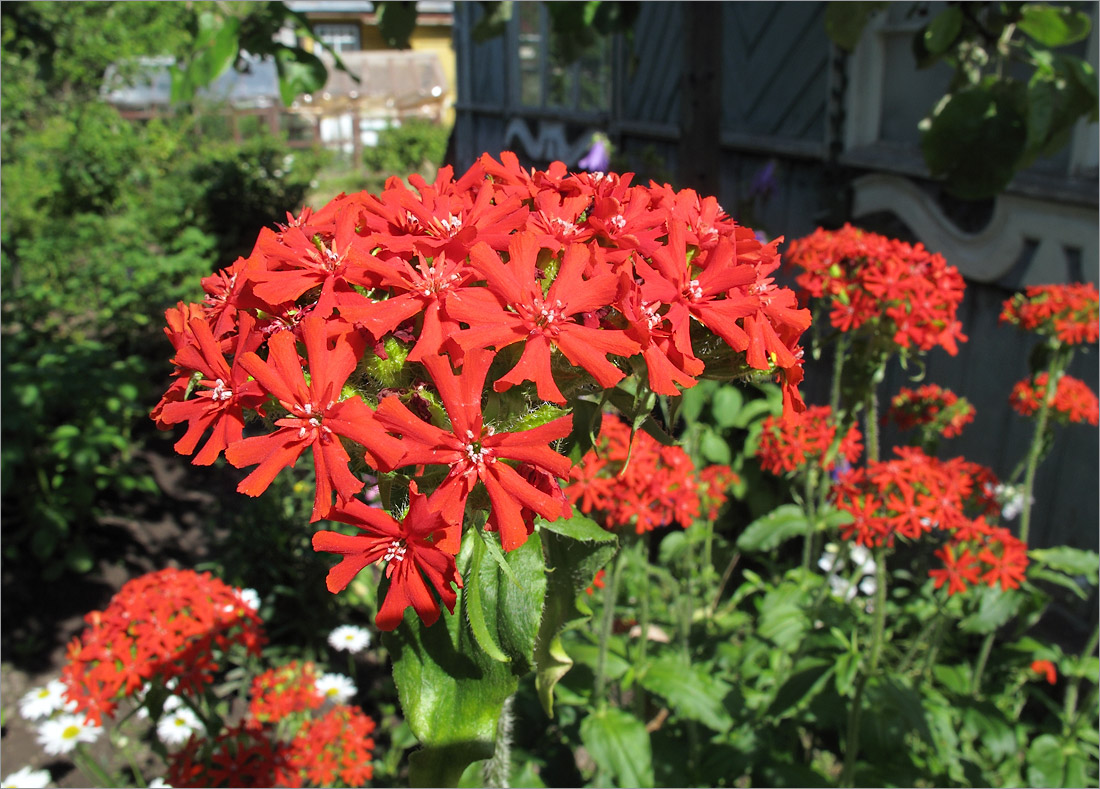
<point>413,146</point>
<point>994,120</point>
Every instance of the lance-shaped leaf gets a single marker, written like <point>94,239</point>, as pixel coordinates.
<point>575,549</point>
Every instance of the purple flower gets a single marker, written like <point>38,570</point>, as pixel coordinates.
<point>598,159</point>
<point>763,181</point>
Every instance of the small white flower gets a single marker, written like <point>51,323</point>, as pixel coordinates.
<point>61,734</point>
<point>841,588</point>
<point>349,638</point>
<point>27,778</point>
<point>45,701</point>
<point>867,585</point>
<point>861,557</point>
<point>159,783</point>
<point>177,726</point>
<point>830,561</point>
<point>335,687</point>
<point>250,597</point>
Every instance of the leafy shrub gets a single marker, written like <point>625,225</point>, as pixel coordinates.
<point>407,148</point>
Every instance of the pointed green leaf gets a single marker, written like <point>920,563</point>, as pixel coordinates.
<point>943,30</point>
<point>768,532</point>
<point>1071,561</point>
<point>299,72</point>
<point>396,22</point>
<point>574,549</point>
<point>473,604</point>
<point>692,691</point>
<point>1053,26</point>
<point>995,607</point>
<point>619,744</point>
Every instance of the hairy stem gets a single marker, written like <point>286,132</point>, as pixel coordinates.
<point>855,711</point>
<point>497,771</point>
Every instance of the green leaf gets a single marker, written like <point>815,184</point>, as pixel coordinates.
<point>473,604</point>
<point>79,557</point>
<point>768,532</point>
<point>943,30</point>
<point>396,22</point>
<point>995,607</point>
<point>714,448</point>
<point>1045,762</point>
<point>808,677</point>
<point>299,72</point>
<point>1071,561</point>
<point>783,619</point>
<point>451,689</point>
<point>692,691</point>
<point>754,410</point>
<point>975,136</point>
<point>844,22</point>
<point>574,550</point>
<point>727,403</point>
<point>619,744</point>
<point>1053,26</point>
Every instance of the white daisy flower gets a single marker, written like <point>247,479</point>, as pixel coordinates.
<point>177,727</point>
<point>61,734</point>
<point>159,783</point>
<point>45,701</point>
<point>335,687</point>
<point>349,638</point>
<point>27,778</point>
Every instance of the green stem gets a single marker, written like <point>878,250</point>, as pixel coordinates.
<point>979,666</point>
<point>1073,690</point>
<point>643,645</point>
<point>1058,363</point>
<point>922,637</point>
<point>89,765</point>
<point>610,593</point>
<point>811,517</point>
<point>839,357</point>
<point>498,769</point>
<point>855,711</point>
<point>871,424</point>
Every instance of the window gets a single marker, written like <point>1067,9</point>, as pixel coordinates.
<point>338,37</point>
<point>546,80</point>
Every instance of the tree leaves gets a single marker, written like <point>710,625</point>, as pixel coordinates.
<point>975,136</point>
<point>1053,26</point>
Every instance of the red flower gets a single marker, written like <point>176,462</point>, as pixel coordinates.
<point>408,549</point>
<point>222,392</point>
<point>931,406</point>
<point>475,452</point>
<point>957,572</point>
<point>797,440</point>
<point>316,417</point>
<point>1073,400</point>
<point>282,691</point>
<point>1069,313</point>
<point>170,624</point>
<point>1047,669</point>
<point>541,322</point>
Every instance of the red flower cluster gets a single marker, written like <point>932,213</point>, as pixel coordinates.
<point>643,484</point>
<point>914,495</point>
<point>795,441</point>
<point>542,284</point>
<point>322,748</point>
<point>932,407</point>
<point>238,756</point>
<point>1073,400</point>
<point>336,746</point>
<point>1069,313</point>
<point>896,290</point>
<point>283,691</point>
<point>162,626</point>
